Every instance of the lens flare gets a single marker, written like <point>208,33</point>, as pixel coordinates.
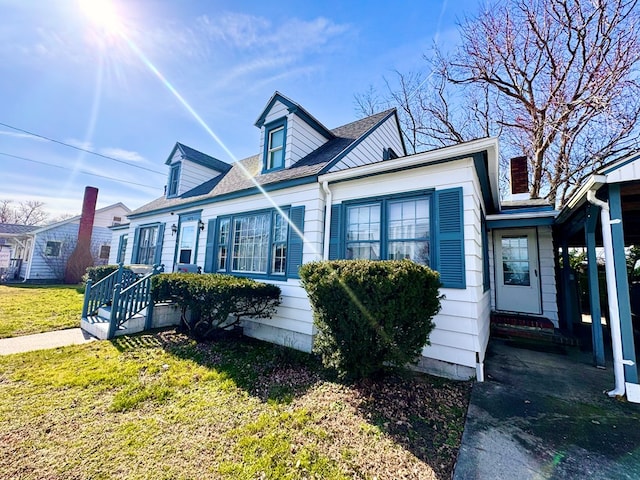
<point>102,13</point>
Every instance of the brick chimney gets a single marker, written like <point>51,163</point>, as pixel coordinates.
<point>519,178</point>
<point>81,257</point>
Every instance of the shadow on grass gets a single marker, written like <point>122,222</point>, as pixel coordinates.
<point>269,372</point>
<point>423,414</point>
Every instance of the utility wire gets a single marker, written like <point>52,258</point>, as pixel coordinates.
<point>79,171</point>
<point>80,149</point>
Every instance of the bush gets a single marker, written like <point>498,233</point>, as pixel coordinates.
<point>370,314</point>
<point>97,273</point>
<point>212,298</point>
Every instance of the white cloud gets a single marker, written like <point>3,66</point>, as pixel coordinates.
<point>122,154</point>
<point>20,135</point>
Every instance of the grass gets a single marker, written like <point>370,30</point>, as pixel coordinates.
<point>162,406</point>
<point>27,309</point>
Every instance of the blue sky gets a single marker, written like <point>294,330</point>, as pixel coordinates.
<point>65,77</point>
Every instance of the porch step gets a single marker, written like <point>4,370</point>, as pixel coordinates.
<point>98,325</point>
<point>533,329</point>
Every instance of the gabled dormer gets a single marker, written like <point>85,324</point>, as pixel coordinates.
<point>288,133</point>
<point>189,168</point>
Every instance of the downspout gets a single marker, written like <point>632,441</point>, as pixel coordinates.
<point>327,220</point>
<point>612,293</point>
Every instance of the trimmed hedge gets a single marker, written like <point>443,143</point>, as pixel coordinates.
<point>213,298</point>
<point>97,273</point>
<point>371,314</point>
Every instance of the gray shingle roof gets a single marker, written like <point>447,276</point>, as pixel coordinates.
<point>245,174</point>
<point>13,229</point>
<point>203,159</point>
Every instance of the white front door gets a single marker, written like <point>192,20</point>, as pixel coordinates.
<point>517,271</point>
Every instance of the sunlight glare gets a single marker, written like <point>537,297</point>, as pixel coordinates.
<point>102,13</point>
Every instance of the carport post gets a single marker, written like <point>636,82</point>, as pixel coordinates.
<point>624,303</point>
<point>594,287</point>
<point>566,282</point>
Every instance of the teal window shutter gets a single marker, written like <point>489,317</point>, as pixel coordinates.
<point>486,279</point>
<point>136,242</point>
<point>209,255</point>
<point>335,234</point>
<point>296,243</point>
<point>157,260</point>
<point>450,238</point>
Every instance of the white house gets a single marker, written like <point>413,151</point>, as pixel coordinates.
<point>353,192</point>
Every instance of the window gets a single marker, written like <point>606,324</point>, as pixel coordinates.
<point>187,242</point>
<point>515,260</point>
<point>105,250</point>
<point>147,245</point>
<point>174,176</point>
<point>122,248</point>
<point>405,232</point>
<point>275,140</point>
<point>254,243</point>
<point>116,221</point>
<point>52,249</point>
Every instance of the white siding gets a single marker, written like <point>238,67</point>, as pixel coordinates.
<point>461,333</point>
<point>104,217</point>
<point>462,326</point>
<point>547,273</point>
<point>628,172</point>
<point>192,175</point>
<point>293,319</point>
<point>52,268</point>
<point>370,150</point>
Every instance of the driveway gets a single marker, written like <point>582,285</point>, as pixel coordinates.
<point>543,415</point>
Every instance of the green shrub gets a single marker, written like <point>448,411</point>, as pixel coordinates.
<point>370,314</point>
<point>97,273</point>
<point>212,298</point>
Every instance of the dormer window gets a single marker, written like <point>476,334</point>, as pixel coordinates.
<point>275,143</point>
<point>174,177</point>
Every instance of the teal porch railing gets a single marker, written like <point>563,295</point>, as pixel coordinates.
<point>125,292</point>
<point>131,300</point>
<point>101,294</point>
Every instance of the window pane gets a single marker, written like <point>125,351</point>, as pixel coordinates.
<point>515,261</point>
<point>279,261</point>
<point>277,138</point>
<point>369,251</point>
<point>280,228</point>
<point>251,243</point>
<point>416,251</point>
<point>409,220</point>
<point>364,223</point>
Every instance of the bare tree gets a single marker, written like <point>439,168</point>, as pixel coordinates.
<point>558,79</point>
<point>30,212</point>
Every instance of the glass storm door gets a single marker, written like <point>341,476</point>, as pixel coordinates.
<point>187,242</point>
<point>517,271</point>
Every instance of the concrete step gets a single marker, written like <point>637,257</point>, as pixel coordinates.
<point>98,325</point>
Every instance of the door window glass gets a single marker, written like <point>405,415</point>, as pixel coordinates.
<point>515,261</point>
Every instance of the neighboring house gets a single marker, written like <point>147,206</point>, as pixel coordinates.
<point>40,253</point>
<point>353,192</point>
<point>17,240</point>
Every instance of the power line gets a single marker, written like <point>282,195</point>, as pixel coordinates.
<point>79,171</point>
<point>80,149</point>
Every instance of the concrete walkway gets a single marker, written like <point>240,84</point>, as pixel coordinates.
<point>43,341</point>
<point>543,415</point>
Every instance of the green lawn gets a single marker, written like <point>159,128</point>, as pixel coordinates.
<point>26,309</point>
<point>160,406</point>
